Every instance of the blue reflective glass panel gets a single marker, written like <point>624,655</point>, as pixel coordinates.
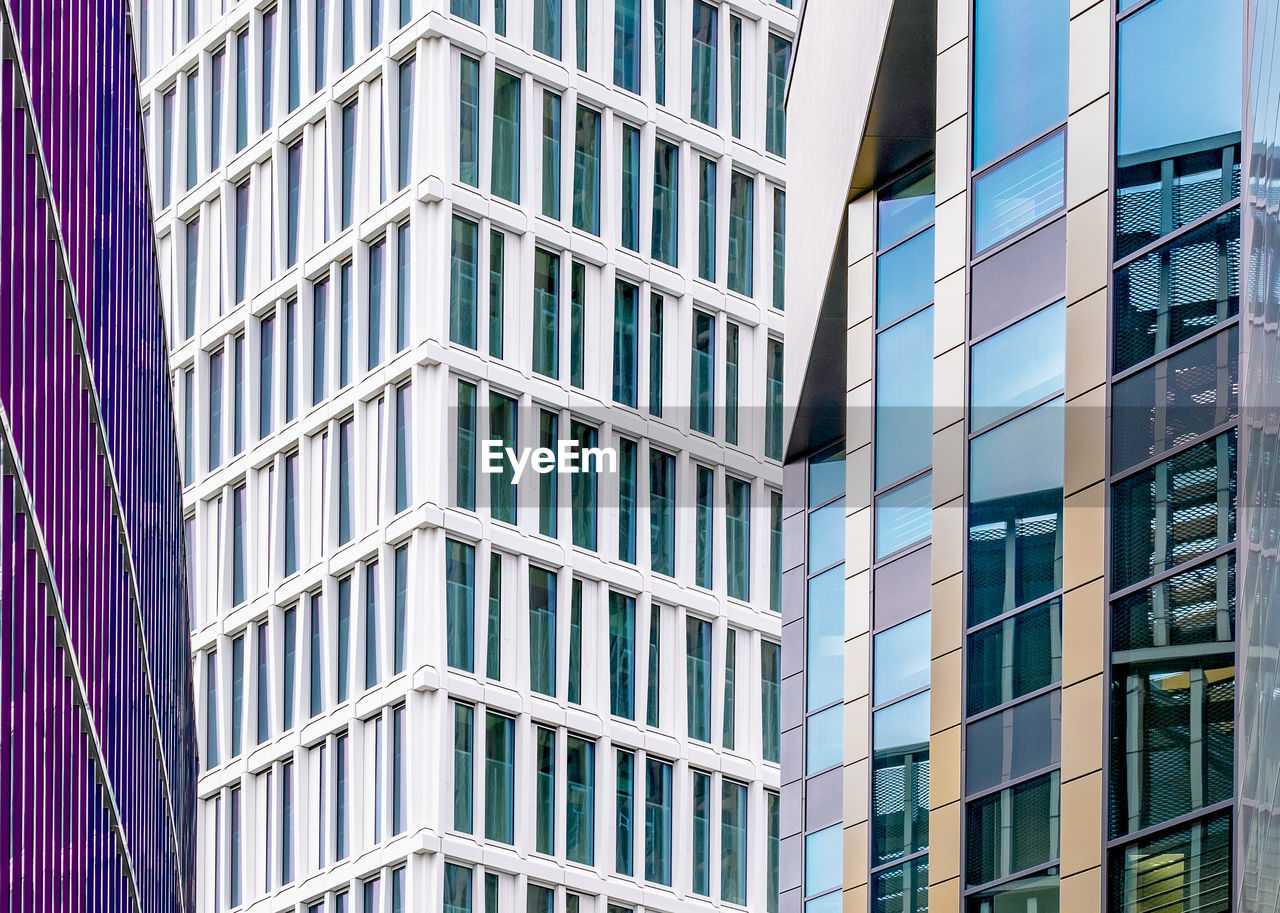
<point>1019,73</point>
<point>824,860</point>
<point>902,659</point>
<point>903,516</point>
<point>824,740</point>
<point>1019,365</point>
<point>826,536</point>
<point>1023,190</point>
<point>904,398</point>
<point>906,207</point>
<point>826,475</point>
<point>824,666</point>
<point>904,279</point>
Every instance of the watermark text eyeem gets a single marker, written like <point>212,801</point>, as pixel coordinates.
<point>568,457</point>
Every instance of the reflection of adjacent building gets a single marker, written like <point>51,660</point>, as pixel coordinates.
<point>1040,419</point>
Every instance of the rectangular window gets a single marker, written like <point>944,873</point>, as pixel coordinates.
<point>773,400</point>
<point>239,517</point>
<point>775,116</point>
<point>294,89</point>
<point>698,677</point>
<point>707,219</point>
<point>575,642</point>
<point>290,656</point>
<point>493,633</point>
<point>237,395</point>
<point>729,727</point>
<point>397,770</point>
<point>286,822</point>
<point>402,600</point>
<point>577,325</point>
<point>582,487</point>
<point>466,9</point>
<point>582,26</point>
<point>349,137</point>
<point>733,842</point>
<point>233,848</point>
<point>542,631</point>
<point>731,337</point>
<point>322,43</point>
<point>502,427</point>
<point>657,822</point>
<point>702,396</point>
<point>653,696</point>
<point>242,89</point>
<point>622,644</point>
<point>242,239</point>
<point>500,26</point>
<point>704,84</point>
<point>266,374</point>
<point>545,791</point>
<point>546,313</point>
<point>215,410</point>
<point>211,755</point>
<point>742,234</point>
<point>626,45</point>
<point>377,284</point>
<point>701,855</point>
<point>346,470</point>
<point>586,171</point>
<point>497,290</point>
<point>499,778</point>
<point>217,66</point>
<point>463,753</point>
<point>193,122</point>
<point>550,154</point>
<point>457,888</point>
<point>770,695</point>
<point>342,827</point>
<point>469,120</point>
<point>580,818</point>
<point>268,67</point>
<point>293,168</point>
<point>773,848</point>
<point>371,676</point>
<point>660,51</point>
<point>626,316</point>
<point>779,249</point>
<point>628,456</point>
<point>505,174</point>
<point>662,513</point>
<point>630,187</point>
<point>237,696</point>
<point>342,670</point>
<point>460,577</point>
<point>666,181</point>
<point>624,838</point>
<point>704,528</point>
<point>189,432</point>
<point>315,661</point>
<point>192,276</point>
<point>404,409</point>
<point>465,450</point>
<point>737,536</point>
<point>290,359</point>
<point>548,483</point>
<point>463,274</point>
<point>546,27</point>
<point>1018,192</point>
<point>655,354</point>
<point>735,75</point>
<point>404,126</point>
<point>403,256</point>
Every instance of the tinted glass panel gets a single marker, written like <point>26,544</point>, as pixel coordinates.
<point>825,663</point>
<point>1019,365</point>
<point>1023,190</point>
<point>903,888</point>
<point>904,278</point>
<point>1013,830</point>
<point>824,739</point>
<point>900,779</point>
<point>1035,892</point>
<point>904,516</point>
<point>904,397</point>
<point>823,859</point>
<point>826,475</point>
<point>906,207</point>
<point>902,658</point>
<point>1190,867</point>
<point>1013,743</point>
<point>826,535</point>
<point>1018,655</point>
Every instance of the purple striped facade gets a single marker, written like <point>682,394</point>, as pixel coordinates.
<point>97,747</point>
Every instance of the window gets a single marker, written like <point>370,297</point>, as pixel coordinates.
<point>586,171</point>
<point>463,754</point>
<point>540,899</point>
<point>775,118</point>
<point>824,663</point>
<point>342,670</point>
<point>457,888</point>
<point>660,51</point>
<point>342,828</point>
<point>707,219</point>
<point>823,860</point>
<point>268,68</point>
<point>322,43</point>
<point>242,238</point>
<point>349,137</point>
<point>1018,192</point>
<point>704,528</point>
<point>500,26</point>
<point>582,486</point>
<point>193,276</point>
<point>545,799</point>
<point>580,819</point>
<point>211,756</point>
<point>505,174</point>
<point>666,185</point>
<point>237,696</point>
<point>657,822</point>
<point>499,778</point>
<point>772,850</point>
<point>655,354</point>
<point>293,167</point>
<point>630,186</point>
<point>266,374</point>
<point>582,25</point>
<point>239,517</point>
<point>662,516</point>
<point>770,700</point>
<point>742,233</point>
<point>577,321</point>
<point>542,631</point>
<point>546,27</point>
<point>737,539</point>
<point>627,482</point>
<point>733,842</point>
<point>622,641</point>
<point>290,359</point>
<point>575,642</point>
<point>729,721</point>
<point>502,427</point>
<point>731,336</point>
<point>779,249</point>
<point>460,577</point>
<point>773,400</point>
<point>286,822</point>
<point>346,470</point>
<point>626,315</point>
<point>703,371</point>
<point>217,65</point>
<point>233,849</point>
<point>294,88</point>
<point>1029,810</point>
<point>493,632</point>
<point>701,878</point>
<point>900,779</point>
<point>403,457</point>
<point>548,483</point>
<point>315,661</point>
<point>735,75</point>
<point>546,313</point>
<point>242,89</point>
<point>704,84</point>
<point>463,271</point>
<point>290,656</point>
<point>550,154</point>
<point>497,290</point>
<point>404,128</point>
<point>377,270</point>
<point>1018,366</point>
<point>904,394</point>
<point>465,447</point>
<point>698,678</point>
<point>469,120</point>
<point>215,410</point>
<point>189,432</point>
<point>371,625</point>
<point>624,805</point>
<point>401,604</point>
<point>466,9</point>
<point>653,697</point>
<point>237,395</point>
<point>626,45</point>
<point>193,124</point>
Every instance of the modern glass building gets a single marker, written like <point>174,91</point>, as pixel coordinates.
<point>393,232</point>
<point>98,750</point>
<point>1015,325</point>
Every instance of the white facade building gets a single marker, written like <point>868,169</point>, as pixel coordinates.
<point>392,230</point>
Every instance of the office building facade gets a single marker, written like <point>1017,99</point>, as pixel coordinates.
<point>1050,424</point>
<point>97,749</point>
<point>392,232</point>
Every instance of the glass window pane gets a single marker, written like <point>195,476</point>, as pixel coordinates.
<point>823,860</point>
<point>1019,655</point>
<point>1013,743</point>
<point>1035,892</point>
<point>1192,863</point>
<point>904,398</point>
<point>904,516</point>
<point>704,84</point>
<point>904,208</point>
<point>826,475</point>
<point>905,889</point>
<point>1019,365</point>
<point>826,535</point>
<point>824,740</point>
<point>904,278</point>
<point>824,665</point>
<point>902,658</point>
<point>505,175</point>
<point>1013,830</point>
<point>1023,190</point>
<point>586,171</point>
<point>900,779</point>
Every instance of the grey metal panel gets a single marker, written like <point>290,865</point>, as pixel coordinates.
<point>793,541</point>
<point>792,702</point>
<point>792,808</point>
<point>902,588</point>
<point>1020,278</point>
<point>790,901</point>
<point>792,648</point>
<point>823,800</point>
<point>793,583</point>
<point>793,487</point>
<point>793,750</point>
